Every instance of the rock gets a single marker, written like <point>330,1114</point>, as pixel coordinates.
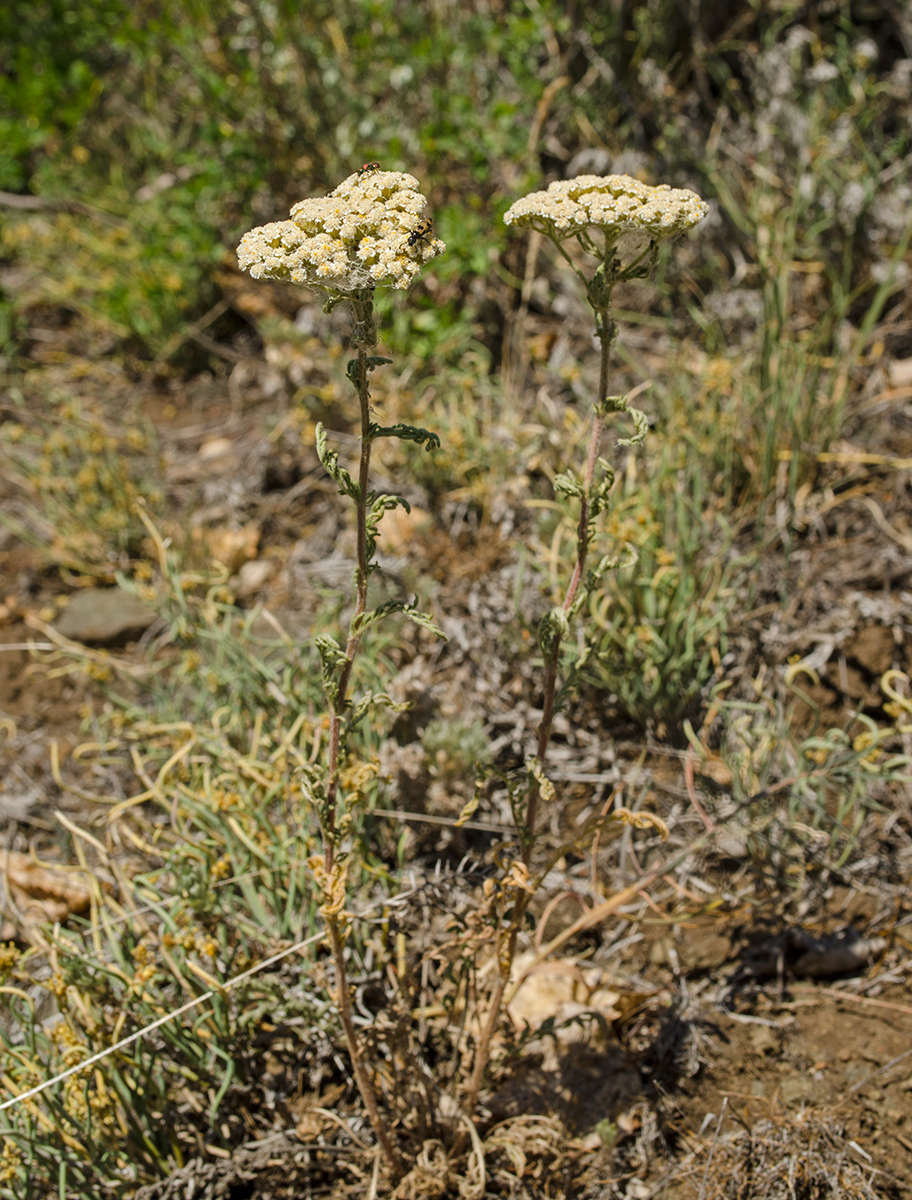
<point>797,1087</point>
<point>216,447</point>
<point>900,372</point>
<point>763,1039</point>
<point>230,547</point>
<point>253,576</point>
<point>103,615</point>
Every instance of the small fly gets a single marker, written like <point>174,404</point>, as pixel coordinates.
<point>368,167</point>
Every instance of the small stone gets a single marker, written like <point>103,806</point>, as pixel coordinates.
<point>215,447</point>
<point>637,1190</point>
<point>103,615</point>
<point>717,770</point>
<point>658,952</point>
<point>763,1039</point>
<point>254,575</point>
<point>900,372</point>
<point>796,1087</point>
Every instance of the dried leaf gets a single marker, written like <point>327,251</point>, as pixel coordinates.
<point>37,894</point>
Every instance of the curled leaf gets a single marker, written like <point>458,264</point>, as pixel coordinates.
<point>372,362</point>
<point>330,460</point>
<point>566,484</point>
<point>411,611</point>
<point>406,433</point>
<point>552,629</point>
<point>641,428</point>
<point>332,659</point>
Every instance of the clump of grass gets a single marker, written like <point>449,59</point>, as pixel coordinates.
<point>225,845</point>
<point>167,939</point>
<point>805,1154</point>
<point>805,176</point>
<point>659,630</point>
<point>808,799</point>
<point>79,481</point>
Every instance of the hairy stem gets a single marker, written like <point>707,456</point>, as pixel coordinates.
<point>521,896</point>
<point>362,1077</point>
<point>582,551</point>
<point>362,572</point>
<point>363,325</point>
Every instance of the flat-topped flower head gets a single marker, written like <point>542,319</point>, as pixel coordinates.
<point>357,237</point>
<point>616,204</point>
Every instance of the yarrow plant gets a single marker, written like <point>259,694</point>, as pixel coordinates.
<point>618,223</point>
<point>365,234</point>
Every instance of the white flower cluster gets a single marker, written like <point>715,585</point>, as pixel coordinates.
<point>361,235</point>
<point>618,204</point>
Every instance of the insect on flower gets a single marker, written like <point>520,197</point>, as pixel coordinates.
<point>420,232</point>
<point>368,167</point>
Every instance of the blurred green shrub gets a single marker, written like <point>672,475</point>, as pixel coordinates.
<point>179,123</point>
<point>180,120</point>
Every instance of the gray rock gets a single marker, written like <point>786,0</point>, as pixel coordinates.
<point>103,615</point>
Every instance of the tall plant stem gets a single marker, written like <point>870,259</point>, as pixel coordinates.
<point>582,551</point>
<point>522,897</point>
<point>362,572</point>
<point>492,1020</point>
<point>362,1078</point>
<point>363,324</point>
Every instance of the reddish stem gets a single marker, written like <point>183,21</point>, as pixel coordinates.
<point>522,897</point>
<point>338,704</point>
<point>582,550</point>
<point>337,707</point>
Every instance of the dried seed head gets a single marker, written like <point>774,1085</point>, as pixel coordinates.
<point>357,237</point>
<point>618,204</point>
